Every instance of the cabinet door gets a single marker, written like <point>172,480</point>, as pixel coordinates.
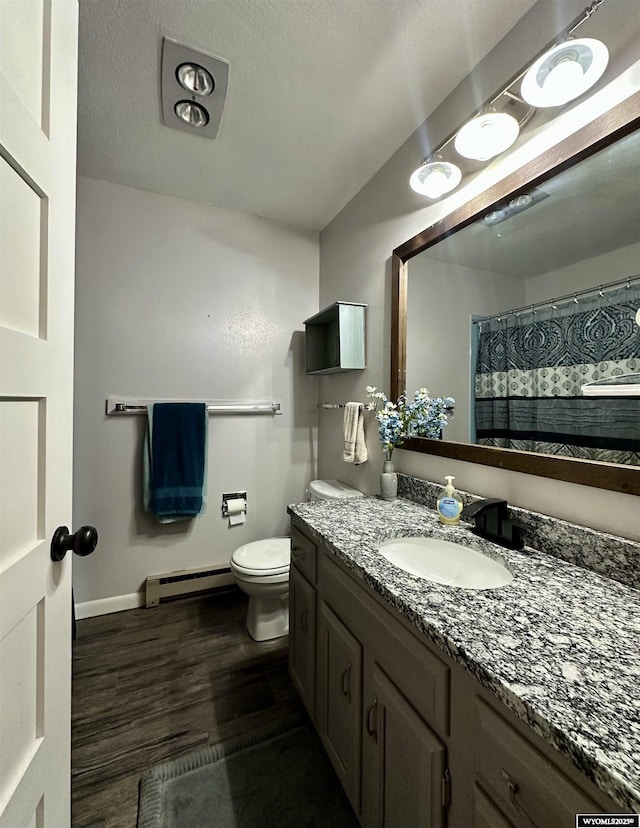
<point>405,763</point>
<point>302,638</point>
<point>339,699</point>
<point>486,813</point>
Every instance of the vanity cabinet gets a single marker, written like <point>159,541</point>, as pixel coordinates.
<point>302,619</point>
<point>379,696</point>
<point>414,738</point>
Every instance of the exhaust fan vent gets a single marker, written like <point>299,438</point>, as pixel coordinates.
<point>194,87</point>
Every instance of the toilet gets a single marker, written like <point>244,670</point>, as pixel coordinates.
<point>261,570</point>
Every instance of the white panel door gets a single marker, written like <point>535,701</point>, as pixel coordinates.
<point>38,69</point>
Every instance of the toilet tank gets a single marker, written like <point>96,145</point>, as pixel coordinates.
<point>331,490</point>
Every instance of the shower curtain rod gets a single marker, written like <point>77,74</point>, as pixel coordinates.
<point>586,292</point>
<point>116,406</point>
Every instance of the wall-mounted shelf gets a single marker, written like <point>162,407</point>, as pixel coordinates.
<point>334,339</point>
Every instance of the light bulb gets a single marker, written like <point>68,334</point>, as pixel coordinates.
<point>487,135</point>
<point>559,84</point>
<point>195,79</point>
<point>435,184</point>
<point>191,113</point>
<point>564,72</point>
<point>435,178</point>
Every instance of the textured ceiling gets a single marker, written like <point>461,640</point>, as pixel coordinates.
<point>321,93</point>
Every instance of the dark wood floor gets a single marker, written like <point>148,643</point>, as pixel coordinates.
<point>151,684</point>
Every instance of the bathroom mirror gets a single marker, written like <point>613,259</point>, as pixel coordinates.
<point>563,225</point>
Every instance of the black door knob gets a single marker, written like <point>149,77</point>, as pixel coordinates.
<point>83,542</point>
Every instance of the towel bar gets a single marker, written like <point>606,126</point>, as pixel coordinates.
<point>116,406</point>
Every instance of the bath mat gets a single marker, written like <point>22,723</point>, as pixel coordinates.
<point>278,777</point>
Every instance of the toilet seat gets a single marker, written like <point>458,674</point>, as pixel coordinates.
<point>263,558</point>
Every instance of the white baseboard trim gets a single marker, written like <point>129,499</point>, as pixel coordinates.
<point>103,606</point>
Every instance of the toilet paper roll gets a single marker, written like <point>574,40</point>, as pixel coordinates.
<point>236,506</point>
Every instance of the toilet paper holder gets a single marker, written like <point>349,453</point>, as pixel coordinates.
<point>227,496</point>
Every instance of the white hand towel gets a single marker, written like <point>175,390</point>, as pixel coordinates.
<point>355,448</point>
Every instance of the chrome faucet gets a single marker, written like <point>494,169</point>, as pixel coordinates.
<point>492,522</point>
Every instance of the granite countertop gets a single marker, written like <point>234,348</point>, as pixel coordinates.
<point>559,645</point>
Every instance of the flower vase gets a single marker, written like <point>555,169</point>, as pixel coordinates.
<point>388,481</point>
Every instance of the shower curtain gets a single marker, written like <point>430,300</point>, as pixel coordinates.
<point>530,369</point>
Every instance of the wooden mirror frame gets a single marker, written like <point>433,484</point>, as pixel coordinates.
<point>605,130</point>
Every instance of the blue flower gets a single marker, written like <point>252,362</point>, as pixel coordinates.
<point>421,417</point>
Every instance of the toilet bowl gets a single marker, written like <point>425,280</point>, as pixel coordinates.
<point>261,570</point>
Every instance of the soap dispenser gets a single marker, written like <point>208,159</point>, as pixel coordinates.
<point>449,503</point>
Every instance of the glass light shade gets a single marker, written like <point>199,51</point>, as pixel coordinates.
<point>191,113</point>
<point>487,135</point>
<point>195,79</point>
<point>564,72</point>
<point>435,178</point>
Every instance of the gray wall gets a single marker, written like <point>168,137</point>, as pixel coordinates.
<point>609,267</point>
<point>177,300</point>
<point>441,300</point>
<point>355,250</point>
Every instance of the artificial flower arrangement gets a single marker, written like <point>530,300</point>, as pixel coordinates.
<point>397,421</point>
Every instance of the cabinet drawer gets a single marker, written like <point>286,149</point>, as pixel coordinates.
<point>303,554</point>
<point>525,784</point>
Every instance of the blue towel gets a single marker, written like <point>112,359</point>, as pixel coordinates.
<point>176,460</point>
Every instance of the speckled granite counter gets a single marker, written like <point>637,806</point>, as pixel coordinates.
<point>560,645</point>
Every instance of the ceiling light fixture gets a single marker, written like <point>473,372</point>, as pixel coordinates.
<point>487,135</point>
<point>566,69</point>
<point>565,72</point>
<point>435,177</point>
<point>193,87</point>
<point>195,79</point>
<point>516,205</point>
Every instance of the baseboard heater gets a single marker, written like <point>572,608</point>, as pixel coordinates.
<point>184,582</point>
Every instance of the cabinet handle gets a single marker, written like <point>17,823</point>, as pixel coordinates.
<point>371,726</point>
<point>296,554</point>
<point>304,619</point>
<point>346,681</point>
<point>513,788</point>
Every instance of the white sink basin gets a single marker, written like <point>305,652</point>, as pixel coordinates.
<point>445,562</point>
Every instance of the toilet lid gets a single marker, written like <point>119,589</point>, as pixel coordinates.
<point>333,490</point>
<point>269,556</point>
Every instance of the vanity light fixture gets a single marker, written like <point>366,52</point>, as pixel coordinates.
<point>566,69</point>
<point>435,177</point>
<point>565,72</point>
<point>487,135</point>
